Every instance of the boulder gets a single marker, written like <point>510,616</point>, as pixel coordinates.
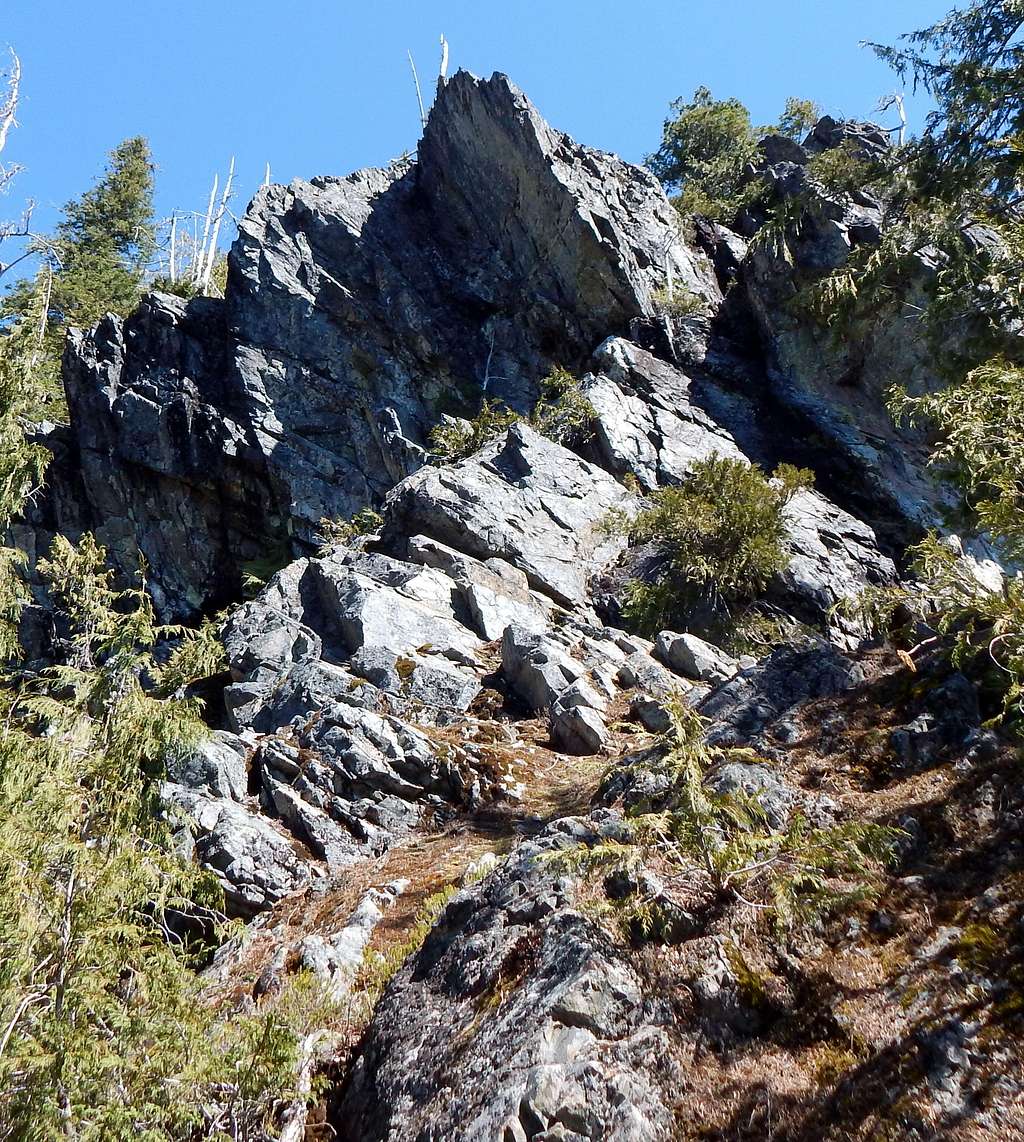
<point>646,422</point>
<point>694,658</point>
<point>522,499</point>
<point>373,601</point>
<point>494,592</point>
<point>216,767</point>
<point>574,723</point>
<point>255,863</point>
<point>536,668</point>
<point>531,1016</point>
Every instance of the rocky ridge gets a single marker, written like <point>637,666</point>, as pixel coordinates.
<point>414,682</point>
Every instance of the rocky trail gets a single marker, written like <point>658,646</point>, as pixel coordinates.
<point>433,733</point>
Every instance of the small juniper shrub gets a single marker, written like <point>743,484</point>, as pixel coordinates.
<point>720,537</point>
<point>562,414</point>
<point>337,530</point>
<point>681,303</point>
<point>455,439</point>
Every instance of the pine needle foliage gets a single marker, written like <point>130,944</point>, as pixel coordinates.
<point>705,147</point>
<point>95,263</point>
<point>22,465</point>
<point>720,537</point>
<point>337,530</point>
<point>724,842</point>
<point>971,62</point>
<point>103,1035</point>
<point>981,626</point>
<point>981,421</point>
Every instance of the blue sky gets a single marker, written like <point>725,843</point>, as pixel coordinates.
<point>323,86</point>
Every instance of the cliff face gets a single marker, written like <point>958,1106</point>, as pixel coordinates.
<point>458,684</point>
<point>357,310</point>
<point>360,309</point>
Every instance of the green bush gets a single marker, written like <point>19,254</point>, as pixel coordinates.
<point>681,303</point>
<point>337,530</point>
<point>798,118</point>
<point>562,413</point>
<point>706,144</point>
<point>720,535</point>
<point>454,440</point>
<point>723,842</point>
<point>842,170</point>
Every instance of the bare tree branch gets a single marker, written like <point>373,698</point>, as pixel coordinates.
<point>9,107</point>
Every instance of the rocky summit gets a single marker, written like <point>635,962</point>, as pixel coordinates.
<point>438,731</point>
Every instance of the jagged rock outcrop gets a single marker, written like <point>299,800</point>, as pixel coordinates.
<point>522,499</point>
<point>517,985</point>
<point>837,379</point>
<point>215,433</point>
<point>388,690</point>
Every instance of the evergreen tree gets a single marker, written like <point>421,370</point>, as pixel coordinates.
<point>972,63</point>
<point>103,1033</point>
<point>705,145</point>
<point>21,464</point>
<point>96,261</point>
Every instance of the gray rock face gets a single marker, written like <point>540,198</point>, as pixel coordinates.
<point>216,767</point>
<point>537,668</point>
<point>255,861</point>
<point>832,557</point>
<point>494,592</point>
<point>209,433</point>
<point>694,658</point>
<point>741,708</point>
<point>646,421</point>
<point>513,985</point>
<point>522,499</point>
<point>836,385</point>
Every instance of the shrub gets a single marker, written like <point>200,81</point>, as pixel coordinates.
<point>977,625</point>
<point>454,440</point>
<point>798,118</point>
<point>682,303</point>
<point>982,424</point>
<point>719,535</point>
<point>562,413</point>
<point>706,144</point>
<point>842,170</point>
<point>337,530</point>
<point>723,842</point>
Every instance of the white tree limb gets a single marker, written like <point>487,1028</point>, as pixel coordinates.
<point>212,254</point>
<point>9,107</point>
<point>197,269</point>
<point>419,94</point>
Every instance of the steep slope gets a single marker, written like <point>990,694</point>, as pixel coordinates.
<point>459,689</point>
